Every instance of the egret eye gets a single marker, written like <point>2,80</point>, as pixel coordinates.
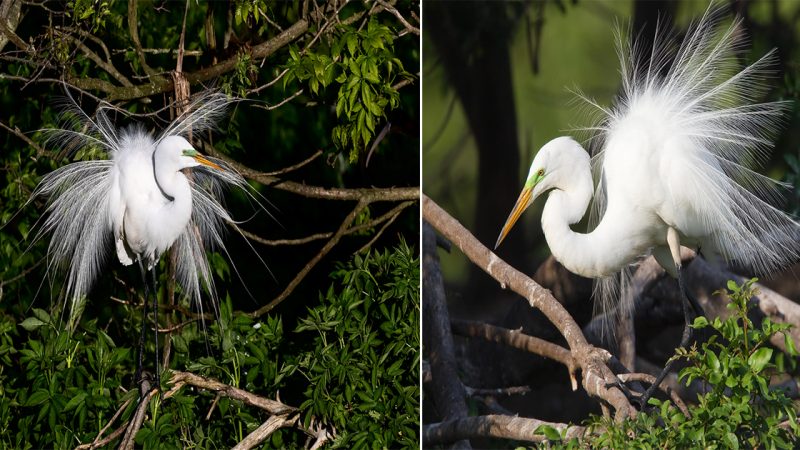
<point>540,173</point>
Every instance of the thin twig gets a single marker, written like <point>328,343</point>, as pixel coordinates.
<point>97,441</point>
<point>136,422</point>
<point>383,228</point>
<point>17,132</point>
<point>282,102</point>
<point>313,262</point>
<point>664,387</point>
<point>355,229</point>
<point>399,16</point>
<point>294,167</point>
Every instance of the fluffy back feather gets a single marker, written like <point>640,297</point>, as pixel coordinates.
<point>704,97</point>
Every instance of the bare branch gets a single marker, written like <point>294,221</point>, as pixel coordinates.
<point>11,36</point>
<point>262,432</point>
<point>396,13</point>
<point>313,262</point>
<point>664,387</point>
<point>136,422</point>
<point>107,66</point>
<point>597,378</point>
<point>97,443</point>
<point>17,132</point>
<point>504,427</point>
<point>294,167</point>
<point>281,103</point>
<point>447,391</point>
<point>133,29</point>
<point>519,340</point>
<point>512,390</point>
<point>180,379</point>
<point>390,215</point>
<point>369,194</point>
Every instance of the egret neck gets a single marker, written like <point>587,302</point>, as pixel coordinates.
<point>595,254</point>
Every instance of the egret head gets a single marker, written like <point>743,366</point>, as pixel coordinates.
<point>178,151</point>
<point>554,164</point>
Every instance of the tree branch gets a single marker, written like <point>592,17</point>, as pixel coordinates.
<point>265,430</point>
<point>313,262</point>
<point>518,340</point>
<point>447,392</point>
<point>504,427</point>
<point>180,379</point>
<point>597,378</point>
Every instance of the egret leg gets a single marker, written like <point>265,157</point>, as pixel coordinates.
<point>155,327</point>
<point>138,376</point>
<point>691,310</point>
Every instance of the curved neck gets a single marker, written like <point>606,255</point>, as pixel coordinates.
<point>602,252</point>
<point>156,176</point>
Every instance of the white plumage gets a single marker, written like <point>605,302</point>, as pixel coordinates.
<point>139,198</point>
<point>675,165</point>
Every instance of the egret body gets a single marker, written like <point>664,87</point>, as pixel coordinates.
<point>137,199</point>
<point>674,167</point>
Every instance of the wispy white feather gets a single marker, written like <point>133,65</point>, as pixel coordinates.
<point>698,92</point>
<point>78,208</point>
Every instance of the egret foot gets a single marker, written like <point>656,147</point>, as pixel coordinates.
<point>691,310</point>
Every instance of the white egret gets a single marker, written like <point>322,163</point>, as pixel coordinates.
<point>138,200</point>
<point>674,167</point>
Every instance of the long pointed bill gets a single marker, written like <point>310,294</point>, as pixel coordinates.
<point>519,207</point>
<point>206,162</point>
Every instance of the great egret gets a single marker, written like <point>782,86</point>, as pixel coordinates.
<point>673,169</point>
<point>138,198</point>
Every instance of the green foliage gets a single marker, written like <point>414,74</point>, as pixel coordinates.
<point>58,389</point>
<point>94,14</point>
<point>738,409</point>
<point>359,372</point>
<point>363,65</point>
<point>363,371</point>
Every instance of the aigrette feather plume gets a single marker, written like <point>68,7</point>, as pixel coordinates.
<point>77,216</point>
<point>699,92</point>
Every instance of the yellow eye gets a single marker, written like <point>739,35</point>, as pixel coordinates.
<point>540,172</point>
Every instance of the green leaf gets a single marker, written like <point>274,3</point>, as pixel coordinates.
<point>31,323</point>
<point>759,359</point>
<point>38,397</point>
<point>549,432</point>
<point>75,401</point>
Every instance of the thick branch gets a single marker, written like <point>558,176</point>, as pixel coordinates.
<point>265,430</point>
<point>504,427</point>
<point>448,390</point>
<point>179,379</point>
<point>596,375</point>
<point>518,340</point>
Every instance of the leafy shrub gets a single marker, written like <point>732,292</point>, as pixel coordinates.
<point>359,373</point>
<point>363,373</point>
<point>738,409</point>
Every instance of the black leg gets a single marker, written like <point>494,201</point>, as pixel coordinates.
<point>691,309</point>
<point>155,322</point>
<point>138,376</point>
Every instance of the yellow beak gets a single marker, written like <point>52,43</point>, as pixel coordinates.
<point>519,207</point>
<point>204,161</point>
